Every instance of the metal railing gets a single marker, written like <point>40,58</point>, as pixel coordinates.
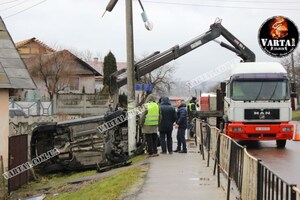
<point>253,180</point>
<point>271,186</point>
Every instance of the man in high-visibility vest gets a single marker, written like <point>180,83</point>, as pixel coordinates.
<point>192,108</point>
<point>149,122</point>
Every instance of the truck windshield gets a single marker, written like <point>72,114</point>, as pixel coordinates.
<point>260,90</point>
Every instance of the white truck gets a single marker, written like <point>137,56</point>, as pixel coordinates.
<point>257,103</point>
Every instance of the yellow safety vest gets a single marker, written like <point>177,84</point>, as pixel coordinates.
<point>152,114</point>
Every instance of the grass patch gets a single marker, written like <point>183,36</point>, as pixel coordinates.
<point>58,177</point>
<point>110,188</point>
<point>49,179</point>
<point>138,158</point>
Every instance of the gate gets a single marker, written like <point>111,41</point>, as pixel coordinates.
<point>18,155</point>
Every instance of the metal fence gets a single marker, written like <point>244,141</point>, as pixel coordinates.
<point>253,180</point>
<point>33,108</point>
<point>271,186</point>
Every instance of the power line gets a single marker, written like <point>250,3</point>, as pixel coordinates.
<point>8,2</point>
<point>218,6</point>
<point>15,5</point>
<point>249,1</point>
<point>25,9</point>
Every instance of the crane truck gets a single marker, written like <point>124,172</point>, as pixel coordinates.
<point>262,111</point>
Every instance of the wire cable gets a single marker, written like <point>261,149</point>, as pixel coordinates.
<point>255,1</point>
<point>25,9</point>
<point>8,2</point>
<point>14,5</point>
<point>218,6</point>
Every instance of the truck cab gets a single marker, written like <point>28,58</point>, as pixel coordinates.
<point>257,104</point>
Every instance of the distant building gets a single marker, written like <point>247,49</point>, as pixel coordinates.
<point>79,76</point>
<point>173,99</point>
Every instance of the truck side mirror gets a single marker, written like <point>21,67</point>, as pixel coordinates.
<point>223,88</point>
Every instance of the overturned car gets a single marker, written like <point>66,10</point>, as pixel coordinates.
<point>82,145</point>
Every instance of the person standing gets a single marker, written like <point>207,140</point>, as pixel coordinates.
<point>192,108</point>
<point>167,117</point>
<point>181,125</point>
<point>149,123</point>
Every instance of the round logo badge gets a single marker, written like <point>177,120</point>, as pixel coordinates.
<point>278,36</point>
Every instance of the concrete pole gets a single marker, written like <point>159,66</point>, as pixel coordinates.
<point>4,126</point>
<point>130,78</point>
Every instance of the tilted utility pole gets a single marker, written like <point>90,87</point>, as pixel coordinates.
<point>130,78</point>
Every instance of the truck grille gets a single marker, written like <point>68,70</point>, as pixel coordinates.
<point>261,114</point>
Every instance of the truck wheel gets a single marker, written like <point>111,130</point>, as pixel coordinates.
<point>280,143</point>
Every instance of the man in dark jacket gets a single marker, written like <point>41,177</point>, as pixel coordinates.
<point>181,124</point>
<point>167,117</point>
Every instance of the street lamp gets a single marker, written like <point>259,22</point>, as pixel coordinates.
<point>130,66</point>
<point>148,24</point>
<point>110,6</point>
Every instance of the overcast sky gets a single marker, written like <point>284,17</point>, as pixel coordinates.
<point>77,24</point>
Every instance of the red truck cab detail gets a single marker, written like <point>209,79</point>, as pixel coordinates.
<point>243,131</point>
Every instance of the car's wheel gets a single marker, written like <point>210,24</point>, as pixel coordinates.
<point>280,143</point>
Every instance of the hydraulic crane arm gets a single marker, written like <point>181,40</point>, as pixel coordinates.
<point>158,59</point>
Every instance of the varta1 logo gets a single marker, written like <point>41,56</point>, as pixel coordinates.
<point>278,36</point>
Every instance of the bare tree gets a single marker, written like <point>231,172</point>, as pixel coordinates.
<point>293,72</point>
<point>54,70</point>
<point>161,80</point>
<point>86,55</point>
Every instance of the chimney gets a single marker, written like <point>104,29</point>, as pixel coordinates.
<point>95,59</point>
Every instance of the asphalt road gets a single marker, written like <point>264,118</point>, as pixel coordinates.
<point>284,162</point>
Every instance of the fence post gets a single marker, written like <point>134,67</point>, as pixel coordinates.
<point>201,140</point>
<point>38,107</point>
<point>208,135</point>
<point>217,161</point>
<point>54,104</point>
<point>231,157</point>
<point>259,180</point>
<point>293,192</point>
<point>84,103</point>
<point>12,103</point>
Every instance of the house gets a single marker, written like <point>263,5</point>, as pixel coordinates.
<point>55,71</point>
<point>98,65</point>
<point>13,75</point>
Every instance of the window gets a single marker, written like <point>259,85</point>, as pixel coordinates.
<point>260,90</point>
<point>74,83</point>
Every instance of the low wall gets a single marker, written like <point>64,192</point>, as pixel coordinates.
<point>68,104</point>
<point>80,104</point>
